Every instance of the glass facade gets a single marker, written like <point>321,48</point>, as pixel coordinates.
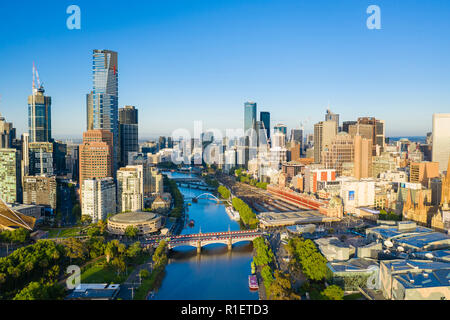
<point>249,115</point>
<point>105,98</point>
<point>39,117</point>
<point>264,117</point>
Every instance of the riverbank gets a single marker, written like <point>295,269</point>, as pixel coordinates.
<point>193,276</point>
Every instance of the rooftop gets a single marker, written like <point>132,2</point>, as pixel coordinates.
<point>437,278</point>
<point>133,217</point>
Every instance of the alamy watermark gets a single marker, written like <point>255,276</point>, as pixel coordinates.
<point>74,20</point>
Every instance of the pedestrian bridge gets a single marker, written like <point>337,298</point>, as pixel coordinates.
<point>200,240</point>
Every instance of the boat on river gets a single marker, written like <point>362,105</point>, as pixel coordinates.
<point>253,282</point>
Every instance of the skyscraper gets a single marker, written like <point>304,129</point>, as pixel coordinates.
<point>105,97</point>
<point>99,198</point>
<point>264,117</point>
<point>128,132</point>
<point>130,188</point>
<point>249,116</point>
<point>39,114</point>
<point>95,155</point>
<point>7,133</point>
<point>89,112</point>
<point>330,116</point>
<point>10,177</point>
<point>441,139</point>
<point>324,133</point>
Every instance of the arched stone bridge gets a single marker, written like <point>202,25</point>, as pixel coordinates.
<point>200,240</point>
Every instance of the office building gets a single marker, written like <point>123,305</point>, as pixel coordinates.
<point>441,139</point>
<point>95,155</point>
<point>39,114</point>
<point>10,176</point>
<point>130,188</point>
<point>324,133</point>
<point>7,133</point>
<point>89,111</point>
<point>280,128</point>
<point>371,129</point>
<point>423,172</point>
<point>363,157</point>
<point>264,117</point>
<point>297,136</point>
<point>25,166</point>
<point>341,151</point>
<point>105,109</point>
<point>162,143</point>
<point>347,124</point>
<point>40,158</point>
<point>98,198</point>
<point>249,116</point>
<point>330,116</point>
<point>40,190</point>
<point>128,132</point>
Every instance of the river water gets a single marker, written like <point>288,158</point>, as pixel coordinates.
<point>214,274</point>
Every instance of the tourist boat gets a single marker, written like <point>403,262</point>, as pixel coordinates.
<point>253,282</point>
<point>194,200</point>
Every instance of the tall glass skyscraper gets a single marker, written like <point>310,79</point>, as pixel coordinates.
<point>105,98</point>
<point>249,115</point>
<point>39,116</point>
<point>264,117</point>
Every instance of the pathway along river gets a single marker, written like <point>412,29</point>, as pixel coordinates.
<point>214,274</point>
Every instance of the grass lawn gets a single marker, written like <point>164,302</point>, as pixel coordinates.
<point>100,272</point>
<point>64,232</point>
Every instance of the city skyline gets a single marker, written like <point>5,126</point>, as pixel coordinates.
<point>410,81</point>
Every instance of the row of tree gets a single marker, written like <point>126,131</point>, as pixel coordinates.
<point>313,265</point>
<point>20,235</point>
<point>177,197</point>
<point>153,280</point>
<point>224,192</point>
<point>248,217</point>
<point>245,178</point>
<point>40,262</point>
<point>277,284</point>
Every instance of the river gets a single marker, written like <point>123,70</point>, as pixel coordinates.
<point>214,274</point>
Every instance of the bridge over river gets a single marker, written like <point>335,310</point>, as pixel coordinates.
<point>202,239</point>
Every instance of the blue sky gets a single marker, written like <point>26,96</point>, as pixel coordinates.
<point>181,61</point>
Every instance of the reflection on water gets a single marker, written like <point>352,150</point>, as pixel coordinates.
<point>214,274</point>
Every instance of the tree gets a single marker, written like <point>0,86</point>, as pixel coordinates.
<point>93,231</point>
<point>76,211</point>
<point>281,289</point>
<point>86,219</point>
<point>134,250</point>
<point>96,246</point>
<point>75,249</point>
<point>114,249</point>
<point>119,264</point>
<point>131,232</point>
<point>40,291</point>
<point>333,292</point>
<point>144,273</point>
<point>102,226</point>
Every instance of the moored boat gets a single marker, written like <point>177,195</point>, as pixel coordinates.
<point>253,282</point>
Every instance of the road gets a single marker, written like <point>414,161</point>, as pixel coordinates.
<point>65,206</point>
<point>128,288</point>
